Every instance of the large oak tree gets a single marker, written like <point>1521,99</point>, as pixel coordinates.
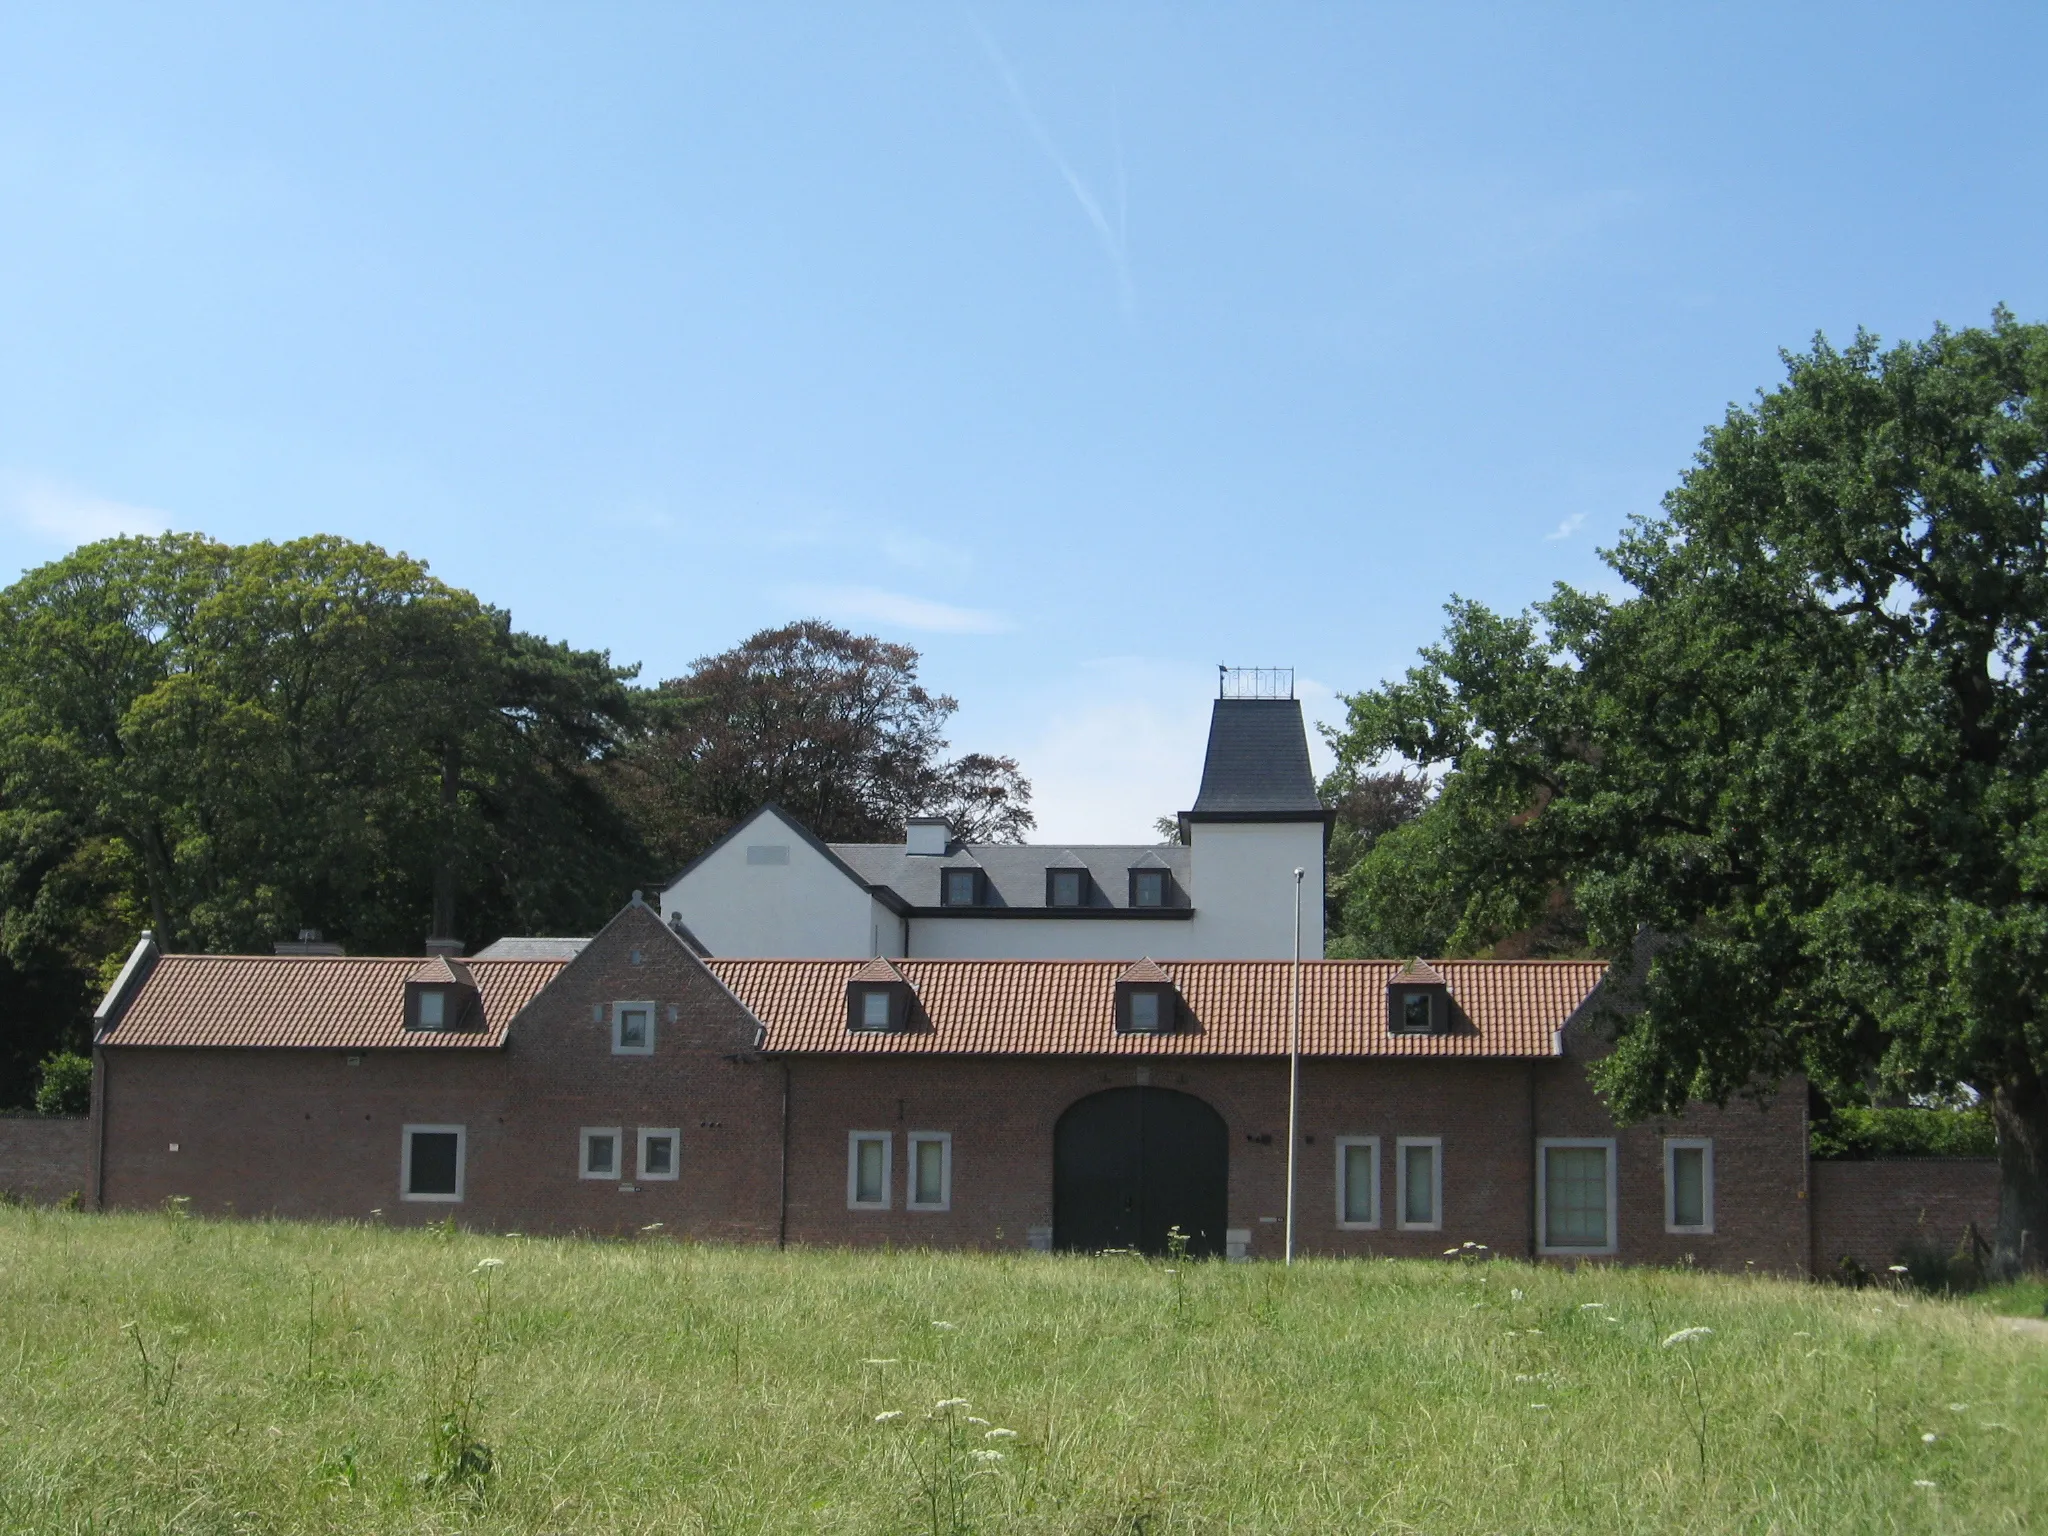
<point>1798,773</point>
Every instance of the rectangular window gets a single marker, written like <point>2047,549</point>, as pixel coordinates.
<point>431,1162</point>
<point>433,1008</point>
<point>1144,1011</point>
<point>1575,1195</point>
<point>768,853</point>
<point>867,1170</point>
<point>1418,1167</point>
<point>1148,887</point>
<point>874,1009</point>
<point>1064,887</point>
<point>931,1171</point>
<point>599,1152</point>
<point>660,1152</point>
<point>1358,1181</point>
<point>1688,1185</point>
<point>1415,1013</point>
<point>963,887</point>
<point>632,1029</point>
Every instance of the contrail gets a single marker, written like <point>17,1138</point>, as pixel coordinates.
<point>1112,238</point>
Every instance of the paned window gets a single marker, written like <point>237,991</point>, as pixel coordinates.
<point>1688,1185</point>
<point>1576,1189</point>
<point>660,1152</point>
<point>632,1029</point>
<point>1065,887</point>
<point>432,1162</point>
<point>1418,1168</point>
<point>1358,1181</point>
<point>867,1170</point>
<point>598,1157</point>
<point>931,1171</point>
<point>1148,887</point>
<point>963,888</point>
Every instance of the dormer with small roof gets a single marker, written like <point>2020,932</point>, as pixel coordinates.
<point>441,994</point>
<point>1418,1000</point>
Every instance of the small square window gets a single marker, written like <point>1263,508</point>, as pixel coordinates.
<point>433,1008</point>
<point>867,1170</point>
<point>1688,1185</point>
<point>632,1029</point>
<point>600,1153</point>
<point>1575,1195</point>
<point>660,1153</point>
<point>1148,887</point>
<point>1358,1181</point>
<point>874,1008</point>
<point>962,888</point>
<point>431,1164</point>
<point>931,1171</point>
<point>1065,887</point>
<point>1415,1013</point>
<point>1418,1164</point>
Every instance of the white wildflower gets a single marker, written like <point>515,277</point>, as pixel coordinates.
<point>973,1420</point>
<point>1539,1407</point>
<point>1448,1252</point>
<point>890,1417</point>
<point>652,1226</point>
<point>1897,1269</point>
<point>1921,1482</point>
<point>1958,1407</point>
<point>1802,1334</point>
<point>1686,1336</point>
<point>985,1456</point>
<point>944,1327</point>
<point>950,1402</point>
<point>1592,1306</point>
<point>1516,1294</point>
<point>1000,1434</point>
<point>484,1264</point>
<point>1928,1438</point>
<point>1532,1330</point>
<point>1525,1378</point>
<point>881,1362</point>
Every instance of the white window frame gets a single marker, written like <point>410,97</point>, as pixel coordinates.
<point>945,1200</point>
<point>675,1155</point>
<point>619,1049</point>
<point>853,1145</point>
<point>1436,1183</point>
<point>1704,1145</point>
<point>406,1134</point>
<point>617,1173</point>
<point>1344,1146</point>
<point>1543,1147</point>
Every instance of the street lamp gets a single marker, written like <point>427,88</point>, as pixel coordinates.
<point>1294,1069</point>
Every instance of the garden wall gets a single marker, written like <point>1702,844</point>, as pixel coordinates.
<point>44,1157</point>
<point>1874,1212</point>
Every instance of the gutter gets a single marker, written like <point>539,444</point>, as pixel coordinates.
<point>782,1173</point>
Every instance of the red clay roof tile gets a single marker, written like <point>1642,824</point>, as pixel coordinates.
<point>1508,1008</point>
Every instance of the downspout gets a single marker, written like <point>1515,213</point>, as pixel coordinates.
<point>100,1069</point>
<point>782,1173</point>
<point>1535,1162</point>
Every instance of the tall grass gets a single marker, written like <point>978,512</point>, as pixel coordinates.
<point>659,1386</point>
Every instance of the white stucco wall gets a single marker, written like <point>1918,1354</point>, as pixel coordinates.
<point>1027,938</point>
<point>806,908</point>
<point>1242,881</point>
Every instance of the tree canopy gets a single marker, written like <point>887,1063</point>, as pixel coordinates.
<point>1794,775</point>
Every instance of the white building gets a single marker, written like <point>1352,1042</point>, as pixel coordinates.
<point>770,888</point>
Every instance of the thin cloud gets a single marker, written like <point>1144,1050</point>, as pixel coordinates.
<point>1567,528</point>
<point>895,608</point>
<point>64,513</point>
<point>1113,237</point>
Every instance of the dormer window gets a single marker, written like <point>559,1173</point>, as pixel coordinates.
<point>1066,887</point>
<point>1146,1001</point>
<point>1418,1000</point>
<point>878,999</point>
<point>439,995</point>
<point>960,888</point>
<point>1148,887</point>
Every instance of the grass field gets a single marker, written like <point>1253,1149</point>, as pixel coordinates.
<point>162,1374</point>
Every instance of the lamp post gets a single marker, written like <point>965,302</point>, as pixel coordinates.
<point>1294,1069</point>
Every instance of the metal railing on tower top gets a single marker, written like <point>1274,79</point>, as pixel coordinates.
<point>1254,682</point>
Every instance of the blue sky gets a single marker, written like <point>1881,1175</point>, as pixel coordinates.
<point>1083,347</point>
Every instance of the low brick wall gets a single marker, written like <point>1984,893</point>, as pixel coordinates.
<point>44,1158</point>
<point>1875,1211</point>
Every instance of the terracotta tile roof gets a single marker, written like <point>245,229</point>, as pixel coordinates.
<point>308,1001</point>
<point>1237,1007</point>
<point>1421,973</point>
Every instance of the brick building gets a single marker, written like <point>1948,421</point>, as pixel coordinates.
<point>606,1085</point>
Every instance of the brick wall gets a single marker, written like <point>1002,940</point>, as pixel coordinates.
<point>1873,1212</point>
<point>44,1158</point>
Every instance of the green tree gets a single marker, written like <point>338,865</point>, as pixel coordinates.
<point>66,1086</point>
<point>1796,775</point>
<point>832,726</point>
<point>231,743</point>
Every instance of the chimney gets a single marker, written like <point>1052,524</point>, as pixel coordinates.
<point>447,949</point>
<point>929,835</point>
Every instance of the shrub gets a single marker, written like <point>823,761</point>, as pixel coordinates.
<point>66,1088</point>
<point>1857,1134</point>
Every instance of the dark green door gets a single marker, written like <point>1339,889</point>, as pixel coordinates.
<point>1130,1163</point>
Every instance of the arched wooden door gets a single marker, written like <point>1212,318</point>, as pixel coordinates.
<point>1129,1163</point>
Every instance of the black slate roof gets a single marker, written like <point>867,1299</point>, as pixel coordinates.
<point>1258,759</point>
<point>1014,873</point>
